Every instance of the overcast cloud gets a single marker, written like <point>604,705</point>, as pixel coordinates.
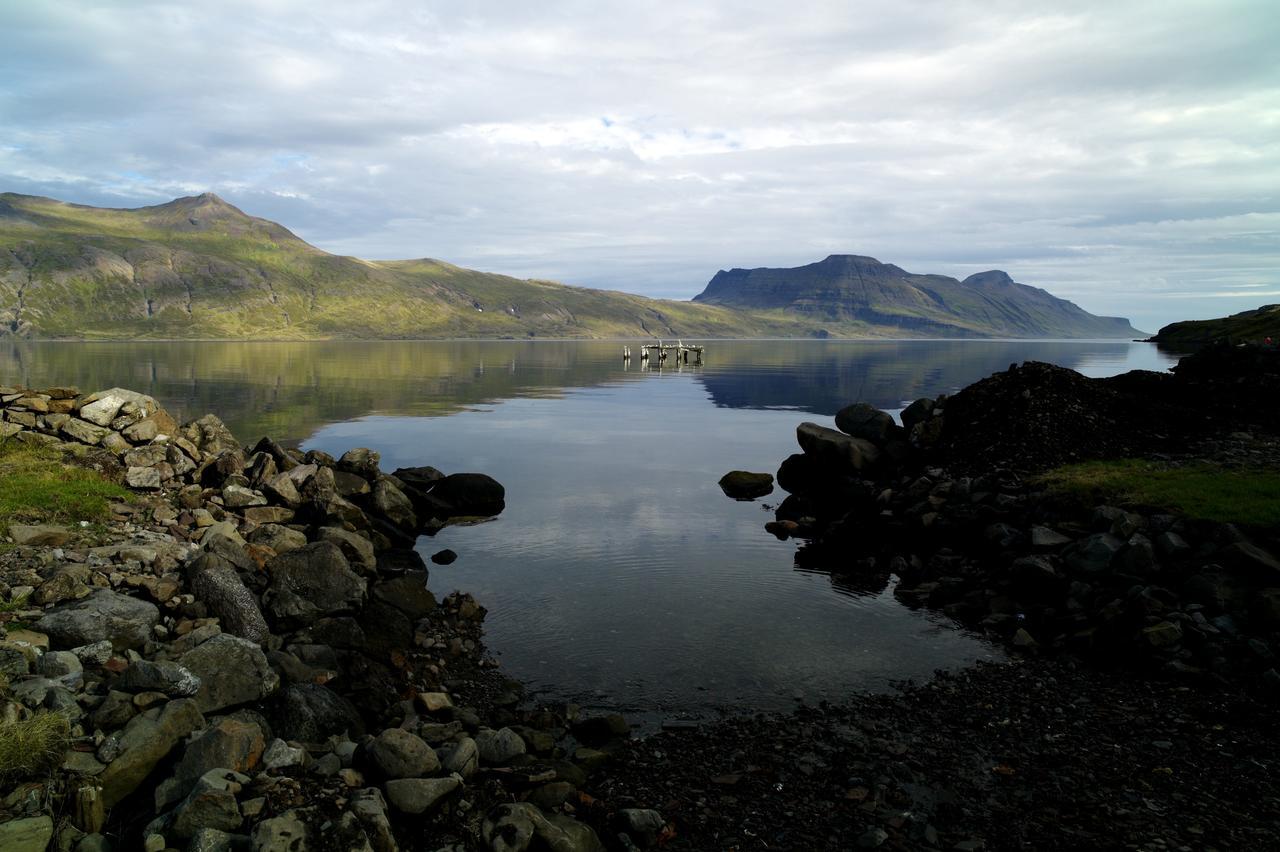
<point>1122,155</point>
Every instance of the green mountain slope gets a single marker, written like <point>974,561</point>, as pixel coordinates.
<point>851,289</point>
<point>1245,327</point>
<point>198,267</point>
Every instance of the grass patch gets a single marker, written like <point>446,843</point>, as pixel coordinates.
<point>37,486</point>
<point>33,747</point>
<point>1203,491</point>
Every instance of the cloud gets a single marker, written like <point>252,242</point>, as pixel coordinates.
<point>1115,154</point>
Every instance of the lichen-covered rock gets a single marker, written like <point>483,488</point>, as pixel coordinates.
<point>102,616</point>
<point>232,671</point>
<point>147,740</point>
<point>313,581</point>
<point>214,581</point>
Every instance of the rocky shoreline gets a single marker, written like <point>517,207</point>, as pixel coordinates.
<point>250,658</point>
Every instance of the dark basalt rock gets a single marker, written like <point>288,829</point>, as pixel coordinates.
<point>744,485</point>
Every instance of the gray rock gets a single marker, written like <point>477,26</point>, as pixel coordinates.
<point>1252,561</point>
<point>407,593</point>
<point>497,748</point>
<point>281,539</point>
<point>213,840</point>
<point>861,420</point>
<point>147,740</point>
<point>845,454</point>
<point>644,825</point>
<point>102,616</point>
<point>463,758</point>
<point>310,712</point>
<point>210,435</point>
<point>280,755</point>
<point>211,804</point>
<point>115,711</point>
<point>513,828</point>
<point>371,809</point>
<point>160,676</point>
<point>400,754</point>
<point>148,456</point>
<point>1044,538</point>
<point>419,795</point>
<point>214,581</point>
<point>283,490</point>
<point>142,478</point>
<point>744,485</point>
<point>57,664</point>
<point>1092,554</point>
<point>239,497</point>
<point>231,670</point>
<point>362,462</point>
<point>916,413</point>
<point>230,744</point>
<point>391,503</point>
<point>94,654</point>
<point>313,581</point>
<point>86,433</point>
<point>31,834</point>
<point>285,833</point>
<point>39,535</point>
<point>357,548</point>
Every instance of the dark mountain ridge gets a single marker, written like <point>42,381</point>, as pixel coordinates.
<point>856,288</point>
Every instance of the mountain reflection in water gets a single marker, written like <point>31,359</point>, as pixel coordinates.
<point>619,575</point>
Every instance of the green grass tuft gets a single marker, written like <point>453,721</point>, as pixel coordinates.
<point>1204,491</point>
<point>33,747</point>
<point>37,486</point>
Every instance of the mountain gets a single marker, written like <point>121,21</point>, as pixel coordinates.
<point>848,290</point>
<point>1247,326</point>
<point>198,267</point>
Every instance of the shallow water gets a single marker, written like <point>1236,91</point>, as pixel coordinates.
<point>619,575</point>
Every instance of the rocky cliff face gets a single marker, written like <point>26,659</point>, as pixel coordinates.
<point>853,288</point>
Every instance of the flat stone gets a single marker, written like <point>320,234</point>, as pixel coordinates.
<point>313,581</point>
<point>102,616</point>
<point>420,795</point>
<point>26,835</point>
<point>142,478</point>
<point>86,433</point>
<point>39,535</point>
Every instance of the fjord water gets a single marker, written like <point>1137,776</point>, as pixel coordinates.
<point>619,575</point>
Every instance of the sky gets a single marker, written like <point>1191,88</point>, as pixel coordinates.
<point>1124,155</point>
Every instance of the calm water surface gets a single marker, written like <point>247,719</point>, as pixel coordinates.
<point>619,575</point>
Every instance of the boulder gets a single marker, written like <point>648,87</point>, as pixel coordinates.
<point>285,833</point>
<point>362,462</point>
<point>102,616</point>
<point>470,494</point>
<point>917,413</point>
<point>514,827</point>
<point>279,538</point>
<point>400,754</point>
<point>391,503</point>
<point>313,581</point>
<point>210,435</point>
<point>142,478</point>
<point>420,795</point>
<point>407,593</point>
<point>357,548</point>
<point>310,712</point>
<point>230,744</point>
<point>231,670</point>
<point>498,748</point>
<point>147,740</point>
<point>1092,554</point>
<point>861,420</point>
<point>840,451</point>
<point>215,581</point>
<point>744,485</point>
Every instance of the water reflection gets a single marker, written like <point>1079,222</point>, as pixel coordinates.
<point>619,574</point>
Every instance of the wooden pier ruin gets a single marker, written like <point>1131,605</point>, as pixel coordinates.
<point>659,352</point>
